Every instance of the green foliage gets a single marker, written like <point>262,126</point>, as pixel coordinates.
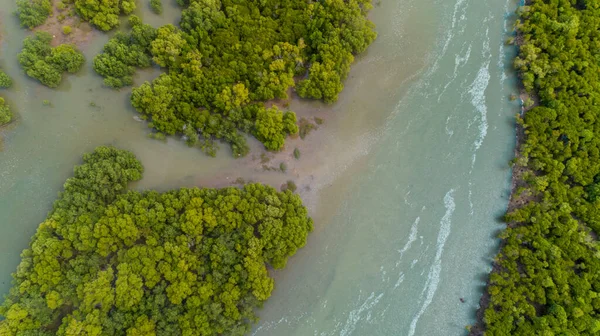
<point>156,6</point>
<point>47,64</point>
<point>272,126</point>
<point>289,186</point>
<point>5,113</point>
<point>46,102</point>
<point>547,279</point>
<point>110,261</point>
<point>67,30</point>
<point>283,167</point>
<point>33,13</point>
<point>104,14</point>
<point>123,53</point>
<point>306,127</point>
<point>5,80</point>
<point>228,56</point>
<point>296,153</point>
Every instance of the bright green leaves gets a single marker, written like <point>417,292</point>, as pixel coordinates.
<point>545,280</point>
<point>229,57</point>
<point>104,14</point>
<point>232,98</point>
<point>109,261</point>
<point>5,80</point>
<point>323,83</point>
<point>123,53</point>
<point>272,126</point>
<point>99,293</point>
<point>143,327</point>
<point>47,64</point>
<point>33,13</point>
<point>128,288</point>
<point>17,321</point>
<point>167,46</point>
<point>66,57</point>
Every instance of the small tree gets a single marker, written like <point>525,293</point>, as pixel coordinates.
<point>156,6</point>
<point>5,81</point>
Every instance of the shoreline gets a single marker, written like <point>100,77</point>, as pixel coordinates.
<point>515,201</point>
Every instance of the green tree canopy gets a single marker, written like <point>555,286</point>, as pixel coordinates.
<point>5,113</point>
<point>47,64</point>
<point>547,275</point>
<point>110,261</point>
<point>5,80</point>
<point>33,13</point>
<point>227,56</point>
<point>104,14</point>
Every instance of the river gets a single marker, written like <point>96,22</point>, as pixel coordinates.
<point>405,180</point>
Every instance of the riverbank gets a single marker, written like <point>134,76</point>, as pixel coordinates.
<point>517,199</point>
<point>550,243</point>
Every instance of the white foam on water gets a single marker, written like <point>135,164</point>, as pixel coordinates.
<point>459,62</point>
<point>406,201</point>
<point>472,209</point>
<point>449,36</point>
<point>354,316</point>
<point>411,238</point>
<point>400,280</point>
<point>478,98</point>
<point>448,130</point>
<point>505,31</point>
<point>433,278</point>
<point>414,262</point>
<point>285,319</point>
<point>383,274</point>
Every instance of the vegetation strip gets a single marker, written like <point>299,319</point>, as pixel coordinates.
<point>546,277</point>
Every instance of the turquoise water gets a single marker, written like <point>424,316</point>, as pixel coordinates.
<point>405,180</point>
<point>415,232</point>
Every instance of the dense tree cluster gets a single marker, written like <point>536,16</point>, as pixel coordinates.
<point>104,14</point>
<point>33,13</point>
<point>124,52</point>
<point>5,113</point>
<point>547,279</point>
<point>156,6</point>
<point>109,261</point>
<point>227,56</point>
<point>47,64</point>
<point>5,80</point>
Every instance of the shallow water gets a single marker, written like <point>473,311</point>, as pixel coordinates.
<point>415,230</point>
<point>404,179</point>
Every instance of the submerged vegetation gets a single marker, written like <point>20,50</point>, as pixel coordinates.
<point>5,80</point>
<point>111,261</point>
<point>546,280</point>
<point>228,57</point>
<point>47,64</point>
<point>5,113</point>
<point>156,6</point>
